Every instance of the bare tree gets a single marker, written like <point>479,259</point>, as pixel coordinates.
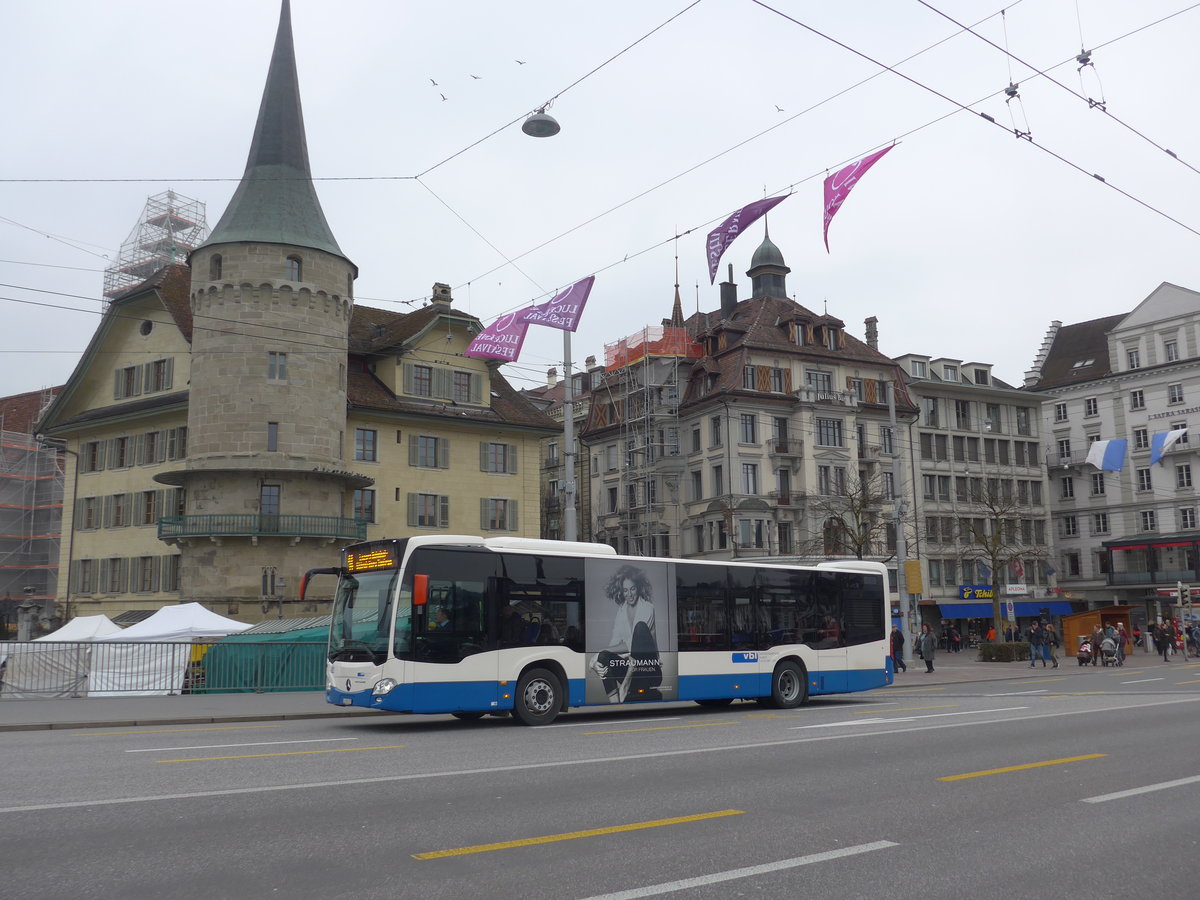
<point>855,520</point>
<point>996,528</point>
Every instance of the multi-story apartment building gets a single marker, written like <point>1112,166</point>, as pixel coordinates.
<point>981,495</point>
<point>1125,536</point>
<point>234,421</point>
<point>751,431</point>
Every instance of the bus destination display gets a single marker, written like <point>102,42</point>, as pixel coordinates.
<point>370,560</point>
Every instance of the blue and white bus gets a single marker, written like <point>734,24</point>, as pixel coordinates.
<point>470,625</point>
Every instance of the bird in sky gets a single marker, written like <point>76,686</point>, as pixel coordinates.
<point>476,77</point>
<point>519,62</point>
<point>779,109</point>
<point>434,83</point>
<point>443,96</point>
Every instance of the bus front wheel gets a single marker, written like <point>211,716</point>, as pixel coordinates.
<point>539,696</point>
<point>789,686</point>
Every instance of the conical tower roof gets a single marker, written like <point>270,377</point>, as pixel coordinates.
<point>276,202</point>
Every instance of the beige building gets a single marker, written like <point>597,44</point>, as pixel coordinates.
<point>234,422</point>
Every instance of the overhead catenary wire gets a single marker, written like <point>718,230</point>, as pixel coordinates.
<point>1043,74</point>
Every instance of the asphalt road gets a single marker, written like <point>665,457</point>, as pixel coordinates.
<point>1074,787</point>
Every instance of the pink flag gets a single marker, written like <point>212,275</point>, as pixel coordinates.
<point>840,183</point>
<point>563,309</point>
<point>500,340</point>
<point>725,233</point>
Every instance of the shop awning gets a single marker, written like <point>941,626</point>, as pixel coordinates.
<point>1022,608</point>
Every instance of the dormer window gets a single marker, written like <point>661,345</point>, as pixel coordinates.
<point>950,373</point>
<point>214,267</point>
<point>918,369</point>
<point>292,269</point>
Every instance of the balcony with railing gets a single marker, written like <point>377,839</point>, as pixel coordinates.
<point>786,498</point>
<point>785,447</point>
<point>253,525</point>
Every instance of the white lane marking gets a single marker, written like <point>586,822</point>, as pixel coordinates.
<point>622,721</point>
<point>1143,680</point>
<point>253,744</point>
<point>975,712</point>
<point>1133,792</point>
<point>667,887</point>
<point>561,763</point>
<point>1017,693</point>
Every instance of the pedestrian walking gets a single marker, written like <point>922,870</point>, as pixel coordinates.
<point>1037,645</point>
<point>1163,640</point>
<point>927,646</point>
<point>898,649</point>
<point>1051,643</point>
<point>1097,640</point>
<point>1122,637</point>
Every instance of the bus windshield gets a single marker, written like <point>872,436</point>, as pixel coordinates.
<point>362,613</point>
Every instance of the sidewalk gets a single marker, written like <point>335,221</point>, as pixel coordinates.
<point>199,709</point>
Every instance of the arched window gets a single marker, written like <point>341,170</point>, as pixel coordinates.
<point>214,267</point>
<point>292,269</point>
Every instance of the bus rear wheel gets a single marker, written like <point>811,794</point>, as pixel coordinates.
<point>789,686</point>
<point>539,696</point>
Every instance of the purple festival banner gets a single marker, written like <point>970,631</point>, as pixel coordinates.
<point>724,234</point>
<point>840,183</point>
<point>500,340</point>
<point>563,310</point>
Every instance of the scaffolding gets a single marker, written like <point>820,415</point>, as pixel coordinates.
<point>644,380</point>
<point>170,227</point>
<point>31,498</point>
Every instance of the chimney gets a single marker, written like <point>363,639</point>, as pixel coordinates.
<point>872,324</point>
<point>590,364</point>
<point>728,295</point>
<point>441,294</point>
<point>551,376</point>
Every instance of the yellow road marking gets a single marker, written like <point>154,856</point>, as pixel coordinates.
<point>1188,682</point>
<point>171,730</point>
<point>662,728</point>
<point>573,835</point>
<point>915,690</point>
<point>1036,765</point>
<point>1033,681</point>
<point>1086,693</point>
<point>876,712</point>
<point>287,753</point>
<point>1125,672</point>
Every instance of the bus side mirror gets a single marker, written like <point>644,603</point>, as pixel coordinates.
<point>420,590</point>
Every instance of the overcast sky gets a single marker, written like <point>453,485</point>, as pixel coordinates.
<point>964,241</point>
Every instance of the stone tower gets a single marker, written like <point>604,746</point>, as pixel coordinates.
<point>271,298</point>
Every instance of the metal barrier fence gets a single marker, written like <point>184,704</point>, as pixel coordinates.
<point>115,668</point>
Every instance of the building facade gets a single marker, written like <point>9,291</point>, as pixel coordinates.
<point>981,495</point>
<point>1127,536</point>
<point>235,421</point>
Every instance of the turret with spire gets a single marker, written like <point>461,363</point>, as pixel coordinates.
<point>271,297</point>
<point>768,272</point>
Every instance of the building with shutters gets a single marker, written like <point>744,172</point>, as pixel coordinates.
<point>236,420</point>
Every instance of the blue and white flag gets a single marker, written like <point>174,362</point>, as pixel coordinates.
<point>1108,456</point>
<point>1050,570</point>
<point>1164,441</point>
<point>985,574</point>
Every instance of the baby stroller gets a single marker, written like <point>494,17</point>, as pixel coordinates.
<point>1085,652</point>
<point>1108,652</point>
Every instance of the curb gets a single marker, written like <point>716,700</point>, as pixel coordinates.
<point>184,720</point>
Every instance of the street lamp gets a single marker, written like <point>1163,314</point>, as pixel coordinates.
<point>61,446</point>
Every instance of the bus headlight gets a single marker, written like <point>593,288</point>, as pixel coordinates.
<point>384,686</point>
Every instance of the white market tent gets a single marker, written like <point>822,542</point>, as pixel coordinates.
<point>59,670</point>
<point>122,664</point>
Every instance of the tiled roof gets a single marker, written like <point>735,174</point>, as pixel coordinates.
<point>1074,344</point>
<point>20,412</point>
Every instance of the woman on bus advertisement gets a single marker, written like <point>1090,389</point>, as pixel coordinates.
<point>628,666</point>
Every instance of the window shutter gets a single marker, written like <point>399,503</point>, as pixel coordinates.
<point>110,453</point>
<point>441,386</point>
<point>483,457</point>
<point>443,502</point>
<point>408,378</point>
<point>476,387</point>
<point>128,510</point>
<point>137,380</point>
<point>160,447</point>
<point>117,385</point>
<point>155,572</point>
<point>412,510</point>
<point>147,375</point>
<point>483,516</point>
<point>102,581</point>
<point>513,524</point>
<point>762,378</point>
<point>122,575</point>
<point>76,569</point>
<point>139,450</point>
<point>443,451</point>
<point>412,449</point>
<point>108,511</point>
<point>168,372</point>
<point>79,516</point>
<point>787,380</point>
<point>511,458</point>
